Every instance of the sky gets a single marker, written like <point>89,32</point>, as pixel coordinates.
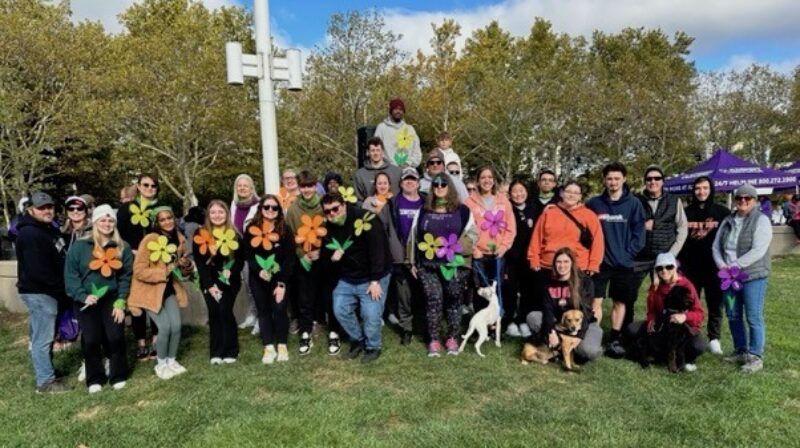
<point>729,34</point>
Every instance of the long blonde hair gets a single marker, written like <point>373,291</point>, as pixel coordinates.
<point>253,192</point>
<point>210,227</point>
<point>97,238</point>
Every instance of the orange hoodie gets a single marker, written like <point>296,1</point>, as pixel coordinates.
<point>555,230</point>
<point>503,240</point>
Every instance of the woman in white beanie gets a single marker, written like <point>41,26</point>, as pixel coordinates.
<point>97,275</point>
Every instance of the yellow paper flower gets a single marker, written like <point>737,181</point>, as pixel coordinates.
<point>404,138</point>
<point>363,225</point>
<point>429,245</point>
<point>348,194</point>
<point>139,216</point>
<point>161,249</point>
<point>225,241</point>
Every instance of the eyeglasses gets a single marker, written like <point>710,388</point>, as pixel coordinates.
<point>455,173</point>
<point>331,211</point>
<point>654,179</point>
<point>668,267</point>
<point>743,198</point>
<point>434,162</point>
<point>76,209</point>
<point>270,207</point>
<point>289,177</point>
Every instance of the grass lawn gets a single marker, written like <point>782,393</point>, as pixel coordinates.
<point>406,399</point>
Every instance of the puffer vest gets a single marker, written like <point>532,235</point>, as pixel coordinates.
<point>759,269</point>
<point>662,237</point>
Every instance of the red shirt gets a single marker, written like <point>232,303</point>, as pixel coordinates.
<point>655,302</point>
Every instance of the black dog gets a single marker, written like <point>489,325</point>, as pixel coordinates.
<point>668,338</point>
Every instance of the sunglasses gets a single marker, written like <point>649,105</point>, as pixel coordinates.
<point>331,211</point>
<point>743,198</point>
<point>149,185</point>
<point>308,185</point>
<point>472,189</point>
<point>668,267</point>
<point>455,173</point>
<point>653,179</point>
<point>434,162</point>
<point>76,209</point>
<point>270,207</point>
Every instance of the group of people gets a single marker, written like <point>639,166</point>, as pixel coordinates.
<point>398,246</point>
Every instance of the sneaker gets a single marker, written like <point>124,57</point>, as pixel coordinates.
<point>163,371</point>
<point>256,329</point>
<point>690,367</point>
<point>228,360</point>
<point>370,355</point>
<point>715,347</point>
<point>215,361</point>
<point>615,349</point>
<point>434,349</point>
<point>283,353</point>
<point>53,387</point>
<point>305,343</point>
<point>392,318</point>
<point>737,357</point>
<point>406,338</point>
<point>82,372</point>
<point>513,330</point>
<point>294,326</point>
<point>753,364</point>
<point>176,367</point>
<point>270,355</point>
<point>95,388</point>
<point>248,322</point>
<point>119,385</point>
<point>525,330</point>
<point>355,351</point>
<point>451,344</point>
<point>142,353</point>
<point>334,345</point>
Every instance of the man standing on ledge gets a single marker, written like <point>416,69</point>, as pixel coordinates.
<point>400,140</point>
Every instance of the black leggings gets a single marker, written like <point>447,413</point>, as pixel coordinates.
<point>99,332</point>
<point>273,319</point>
<point>223,338</point>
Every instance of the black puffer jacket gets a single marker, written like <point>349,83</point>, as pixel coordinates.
<point>40,258</point>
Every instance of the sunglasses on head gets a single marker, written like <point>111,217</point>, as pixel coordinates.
<point>668,267</point>
<point>654,178</point>
<point>331,211</point>
<point>147,185</point>
<point>76,208</point>
<point>271,207</point>
<point>743,198</point>
<point>434,162</point>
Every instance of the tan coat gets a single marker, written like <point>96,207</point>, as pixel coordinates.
<point>150,280</point>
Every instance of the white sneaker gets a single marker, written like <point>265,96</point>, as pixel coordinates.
<point>215,361</point>
<point>690,367</point>
<point>283,353</point>
<point>228,360</point>
<point>163,371</point>
<point>119,385</point>
<point>95,388</point>
<point>82,373</point>
<point>176,368</point>
<point>715,347</point>
<point>513,330</point>
<point>270,355</point>
<point>525,330</point>
<point>256,329</point>
<point>249,321</point>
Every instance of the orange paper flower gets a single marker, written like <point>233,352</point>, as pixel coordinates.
<point>105,260</point>
<point>204,241</point>
<point>263,236</point>
<point>311,232</point>
<point>286,199</point>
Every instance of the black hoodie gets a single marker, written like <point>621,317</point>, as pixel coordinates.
<point>40,258</point>
<point>704,218</point>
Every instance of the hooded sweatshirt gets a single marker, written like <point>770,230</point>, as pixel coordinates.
<point>502,241</point>
<point>80,278</point>
<point>364,179</point>
<point>400,141</point>
<point>555,230</point>
<point>40,258</point>
<point>704,218</point>
<point>368,257</point>
<point>296,212</point>
<point>623,227</point>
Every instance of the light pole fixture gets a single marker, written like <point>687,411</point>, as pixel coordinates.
<point>266,69</point>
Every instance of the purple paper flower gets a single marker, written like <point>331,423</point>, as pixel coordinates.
<point>731,277</point>
<point>449,248</point>
<point>494,222</point>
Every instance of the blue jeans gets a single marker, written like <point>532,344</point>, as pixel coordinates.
<point>42,311</point>
<point>748,301</point>
<point>347,297</point>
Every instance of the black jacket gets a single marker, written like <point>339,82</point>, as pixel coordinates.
<point>526,220</point>
<point>368,258</point>
<point>40,258</point>
<point>704,218</point>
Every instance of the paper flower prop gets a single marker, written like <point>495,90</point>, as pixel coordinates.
<point>161,249</point>
<point>348,194</point>
<point>286,199</point>
<point>731,280</point>
<point>310,232</point>
<point>404,138</point>
<point>268,264</point>
<point>429,245</point>
<point>336,245</point>
<point>225,241</point>
<point>494,222</point>
<point>363,224</point>
<point>400,158</point>
<point>98,291</point>
<point>263,236</point>
<point>140,216</point>
<point>225,267</point>
<point>449,247</point>
<point>105,261</point>
<point>205,242</point>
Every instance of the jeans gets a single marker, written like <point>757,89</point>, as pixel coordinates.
<point>42,310</point>
<point>349,296</point>
<point>750,301</point>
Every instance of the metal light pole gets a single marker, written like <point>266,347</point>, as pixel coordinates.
<point>266,68</point>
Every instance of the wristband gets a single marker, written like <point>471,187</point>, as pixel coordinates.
<point>119,304</point>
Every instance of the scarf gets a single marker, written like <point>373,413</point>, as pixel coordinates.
<point>310,203</point>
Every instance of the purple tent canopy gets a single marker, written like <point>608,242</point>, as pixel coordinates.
<point>793,169</point>
<point>729,172</point>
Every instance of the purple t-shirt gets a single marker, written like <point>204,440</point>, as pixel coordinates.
<point>407,210</point>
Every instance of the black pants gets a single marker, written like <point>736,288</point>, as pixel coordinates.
<point>707,280</point>
<point>273,320</point>
<point>695,347</point>
<point>405,289</point>
<point>223,336</point>
<point>636,284</point>
<point>100,333</point>
<point>308,286</point>
<point>139,326</point>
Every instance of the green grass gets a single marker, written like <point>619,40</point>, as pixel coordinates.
<point>406,399</point>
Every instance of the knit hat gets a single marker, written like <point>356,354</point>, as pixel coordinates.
<point>435,153</point>
<point>396,103</point>
<point>746,190</point>
<point>101,211</point>
<point>666,259</point>
<point>654,167</point>
<point>409,172</point>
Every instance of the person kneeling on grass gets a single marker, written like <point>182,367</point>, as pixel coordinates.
<point>97,274</point>
<point>356,244</point>
<point>667,277</point>
<point>160,263</point>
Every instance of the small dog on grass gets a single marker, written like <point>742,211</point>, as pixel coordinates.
<point>481,321</point>
<point>567,330</point>
<point>668,337</point>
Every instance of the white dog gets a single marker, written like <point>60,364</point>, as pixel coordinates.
<point>484,318</point>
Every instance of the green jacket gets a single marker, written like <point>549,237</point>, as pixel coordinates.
<point>80,280</point>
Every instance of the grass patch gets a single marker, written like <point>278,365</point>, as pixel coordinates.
<point>406,399</point>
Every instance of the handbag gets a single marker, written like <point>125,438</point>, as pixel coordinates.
<point>586,238</point>
<point>68,328</point>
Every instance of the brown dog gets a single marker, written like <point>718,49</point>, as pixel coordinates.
<point>567,329</point>
<point>536,353</point>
